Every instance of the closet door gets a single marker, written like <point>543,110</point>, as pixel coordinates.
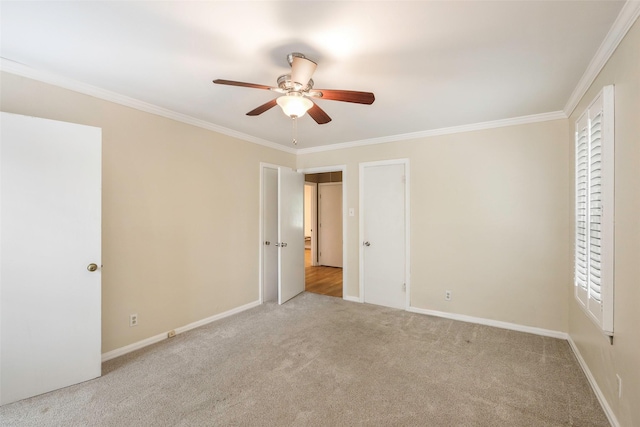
<point>383,251</point>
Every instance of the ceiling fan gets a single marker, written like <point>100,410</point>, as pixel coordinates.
<point>296,89</point>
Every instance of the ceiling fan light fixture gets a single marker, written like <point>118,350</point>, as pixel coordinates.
<point>301,70</point>
<point>294,105</point>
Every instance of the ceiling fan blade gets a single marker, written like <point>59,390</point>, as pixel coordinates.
<point>318,114</point>
<point>345,96</point>
<point>261,109</point>
<point>242,84</point>
<point>302,69</point>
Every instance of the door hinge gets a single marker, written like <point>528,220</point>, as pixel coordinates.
<point>404,287</point>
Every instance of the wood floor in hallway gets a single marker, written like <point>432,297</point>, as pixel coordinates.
<point>322,280</point>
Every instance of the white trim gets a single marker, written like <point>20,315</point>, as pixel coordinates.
<point>594,385</point>
<point>163,336</point>
<point>535,118</point>
<point>407,233</point>
<point>345,213</point>
<point>491,322</point>
<point>628,15</point>
<point>74,85</point>
<point>352,299</point>
<point>67,83</point>
<point>407,224</point>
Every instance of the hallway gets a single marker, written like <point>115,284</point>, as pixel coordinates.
<point>322,280</point>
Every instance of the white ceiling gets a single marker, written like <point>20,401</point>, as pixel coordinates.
<point>430,64</point>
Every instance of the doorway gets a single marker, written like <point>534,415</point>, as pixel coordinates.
<point>324,233</point>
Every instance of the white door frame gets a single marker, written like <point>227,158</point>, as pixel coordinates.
<point>343,169</point>
<point>407,224</point>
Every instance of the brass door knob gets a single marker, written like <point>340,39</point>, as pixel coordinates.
<point>92,267</point>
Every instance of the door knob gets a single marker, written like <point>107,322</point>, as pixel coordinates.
<point>367,244</point>
<point>284,245</point>
<point>267,243</point>
<point>92,267</point>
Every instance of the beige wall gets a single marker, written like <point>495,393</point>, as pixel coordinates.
<point>490,220</point>
<point>623,357</point>
<point>180,211</point>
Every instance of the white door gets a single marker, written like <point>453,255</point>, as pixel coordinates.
<point>50,198</point>
<point>270,234</point>
<point>291,234</point>
<point>383,245</point>
<point>330,224</point>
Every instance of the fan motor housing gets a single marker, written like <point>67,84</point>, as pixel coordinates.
<point>285,83</point>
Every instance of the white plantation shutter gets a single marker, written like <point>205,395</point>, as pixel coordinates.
<point>581,261</point>
<point>595,205</point>
<point>594,210</point>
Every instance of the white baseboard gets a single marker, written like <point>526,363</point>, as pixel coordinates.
<point>490,322</point>
<point>594,385</point>
<point>157,338</point>
<point>352,299</point>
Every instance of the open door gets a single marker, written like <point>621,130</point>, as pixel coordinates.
<point>290,233</point>
<point>50,204</point>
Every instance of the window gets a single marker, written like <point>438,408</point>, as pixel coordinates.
<point>594,214</point>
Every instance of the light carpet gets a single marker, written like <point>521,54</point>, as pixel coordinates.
<point>323,361</point>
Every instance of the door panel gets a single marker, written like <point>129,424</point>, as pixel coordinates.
<point>384,235</point>
<point>50,174</point>
<point>270,234</point>
<point>291,232</point>
<point>330,224</point>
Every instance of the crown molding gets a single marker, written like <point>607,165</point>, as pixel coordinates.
<point>535,118</point>
<point>74,85</point>
<point>627,16</point>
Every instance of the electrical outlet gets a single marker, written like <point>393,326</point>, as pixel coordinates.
<point>447,295</point>
<point>171,333</point>
<point>619,385</point>
<point>133,320</point>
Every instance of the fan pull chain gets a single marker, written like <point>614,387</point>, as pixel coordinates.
<point>295,130</point>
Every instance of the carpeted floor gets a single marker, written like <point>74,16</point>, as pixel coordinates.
<point>322,361</point>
